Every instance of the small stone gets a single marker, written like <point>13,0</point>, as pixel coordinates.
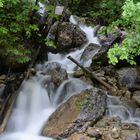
<point>78,73</point>
<point>33,71</point>
<point>2,77</point>
<point>115,132</point>
<point>129,126</point>
<point>59,10</point>
<point>128,94</point>
<point>78,136</point>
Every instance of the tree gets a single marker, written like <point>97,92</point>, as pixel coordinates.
<point>15,29</point>
<point>130,21</point>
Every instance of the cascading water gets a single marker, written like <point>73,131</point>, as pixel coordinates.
<point>122,109</point>
<point>70,66</point>
<point>33,106</point>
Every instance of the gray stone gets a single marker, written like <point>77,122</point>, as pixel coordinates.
<point>57,73</point>
<point>136,97</point>
<point>69,36</point>
<point>137,113</point>
<point>59,10</point>
<point>52,31</point>
<point>129,77</point>
<point>2,77</point>
<point>77,113</point>
<point>90,51</point>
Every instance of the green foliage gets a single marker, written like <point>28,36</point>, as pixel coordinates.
<point>50,43</point>
<point>1,3</point>
<point>51,12</point>
<point>21,28</point>
<point>15,29</point>
<point>130,47</point>
<point>99,10</point>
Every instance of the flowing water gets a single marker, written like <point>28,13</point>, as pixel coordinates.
<point>33,106</point>
<point>122,108</point>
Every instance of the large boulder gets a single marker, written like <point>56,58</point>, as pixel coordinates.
<point>53,31</point>
<point>90,51</point>
<point>129,77</point>
<point>100,58</point>
<point>112,38</point>
<point>51,76</point>
<point>69,36</point>
<point>56,72</point>
<point>76,114</point>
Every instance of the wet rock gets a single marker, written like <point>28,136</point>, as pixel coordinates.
<point>137,113</point>
<point>59,10</point>
<point>2,87</point>
<point>66,15</point>
<point>124,108</point>
<point>2,79</point>
<point>76,114</point>
<point>57,73</point>
<point>129,126</point>
<point>78,136</point>
<point>90,52</point>
<point>110,39</point>
<point>129,77</point>
<point>78,20</point>
<point>78,73</point>
<point>69,36</point>
<point>114,129</point>
<point>94,134</point>
<point>132,137</point>
<point>115,132</point>
<point>136,97</point>
<point>53,31</point>
<point>100,58</point>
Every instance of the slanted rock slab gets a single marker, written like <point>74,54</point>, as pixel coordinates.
<point>76,114</point>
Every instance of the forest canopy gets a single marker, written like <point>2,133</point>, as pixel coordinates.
<point>21,29</point>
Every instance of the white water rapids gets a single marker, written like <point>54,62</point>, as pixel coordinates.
<point>33,106</point>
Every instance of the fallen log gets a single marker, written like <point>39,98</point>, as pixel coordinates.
<point>91,73</point>
<point>7,109</point>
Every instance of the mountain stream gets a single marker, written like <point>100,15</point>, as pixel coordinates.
<point>34,105</point>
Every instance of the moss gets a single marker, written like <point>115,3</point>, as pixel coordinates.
<point>82,102</point>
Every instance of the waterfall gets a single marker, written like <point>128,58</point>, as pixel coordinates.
<point>33,106</point>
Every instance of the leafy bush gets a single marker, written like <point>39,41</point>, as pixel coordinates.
<point>15,28</point>
<point>130,47</point>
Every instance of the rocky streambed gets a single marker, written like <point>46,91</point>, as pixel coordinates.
<point>83,108</point>
<point>96,113</point>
